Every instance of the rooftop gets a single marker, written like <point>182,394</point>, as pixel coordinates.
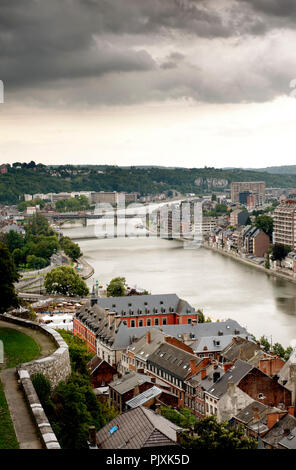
<point>146,304</point>
<point>234,374</point>
<point>143,397</point>
<point>136,429</point>
<point>173,360</point>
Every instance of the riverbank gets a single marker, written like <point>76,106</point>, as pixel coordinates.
<point>249,262</point>
<point>86,270</point>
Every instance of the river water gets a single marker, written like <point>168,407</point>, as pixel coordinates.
<point>222,287</point>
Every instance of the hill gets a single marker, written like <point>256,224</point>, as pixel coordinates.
<point>32,179</point>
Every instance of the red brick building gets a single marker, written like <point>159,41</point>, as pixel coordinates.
<point>261,387</point>
<point>133,311</point>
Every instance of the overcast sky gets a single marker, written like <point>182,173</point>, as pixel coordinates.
<point>160,82</point>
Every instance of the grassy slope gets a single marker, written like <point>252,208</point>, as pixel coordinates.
<point>8,438</point>
<point>18,347</point>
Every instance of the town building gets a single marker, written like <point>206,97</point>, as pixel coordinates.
<point>240,190</point>
<point>149,310</point>
<point>138,428</point>
<point>284,226</point>
<point>153,398</point>
<point>238,217</point>
<point>123,389</point>
<point>174,366</point>
<point>255,241</point>
<point>101,372</point>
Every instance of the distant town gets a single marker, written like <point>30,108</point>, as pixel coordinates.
<point>148,369</point>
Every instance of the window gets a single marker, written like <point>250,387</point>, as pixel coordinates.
<point>189,321</point>
<point>140,323</point>
<point>156,322</point>
<point>132,323</point>
<point>148,322</point>
<point>164,321</point>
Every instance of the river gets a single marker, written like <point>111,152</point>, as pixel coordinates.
<point>222,287</point>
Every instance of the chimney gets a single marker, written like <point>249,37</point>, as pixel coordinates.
<point>117,321</point>
<point>148,337</point>
<point>192,365</point>
<point>92,437</point>
<point>136,390</point>
<point>272,419</point>
<point>230,388</point>
<point>227,366</point>
<point>203,374</point>
<point>186,337</point>
<point>157,408</point>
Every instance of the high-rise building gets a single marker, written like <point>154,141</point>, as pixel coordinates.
<point>284,224</point>
<point>240,189</point>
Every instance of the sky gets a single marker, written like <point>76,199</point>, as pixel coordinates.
<point>148,82</point>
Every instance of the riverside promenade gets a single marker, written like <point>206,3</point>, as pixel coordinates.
<point>24,427</point>
<point>86,270</point>
<point>249,262</point>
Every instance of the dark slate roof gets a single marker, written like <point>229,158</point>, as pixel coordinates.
<point>173,360</point>
<point>191,332</point>
<point>246,415</point>
<point>240,348</point>
<point>208,381</point>
<point>276,433</point>
<point>289,442</point>
<point>142,349</point>
<point>141,304</point>
<point>120,337</point>
<point>128,382</point>
<point>136,429</point>
<point>234,374</point>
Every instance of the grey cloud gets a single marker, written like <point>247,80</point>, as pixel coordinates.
<point>80,51</point>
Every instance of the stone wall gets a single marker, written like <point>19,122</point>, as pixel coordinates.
<point>55,367</point>
<point>42,424</point>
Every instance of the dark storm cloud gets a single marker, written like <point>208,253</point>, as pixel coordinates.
<point>81,50</point>
<point>279,8</point>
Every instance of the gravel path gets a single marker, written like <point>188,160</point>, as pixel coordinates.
<point>24,428</point>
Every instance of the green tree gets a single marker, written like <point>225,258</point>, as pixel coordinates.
<point>116,287</point>
<point>64,280</point>
<point>13,240</point>
<point>38,225</point>
<point>209,434</point>
<point>46,246</point>
<point>183,417</point>
<point>70,248</point>
<point>264,342</point>
<point>35,262</point>
<point>267,262</point>
<point>18,257</point>
<point>265,223</point>
<point>288,353</point>
<point>42,387</point>
<point>279,252</point>
<point>201,317</point>
<point>278,350</point>
<point>8,276</point>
